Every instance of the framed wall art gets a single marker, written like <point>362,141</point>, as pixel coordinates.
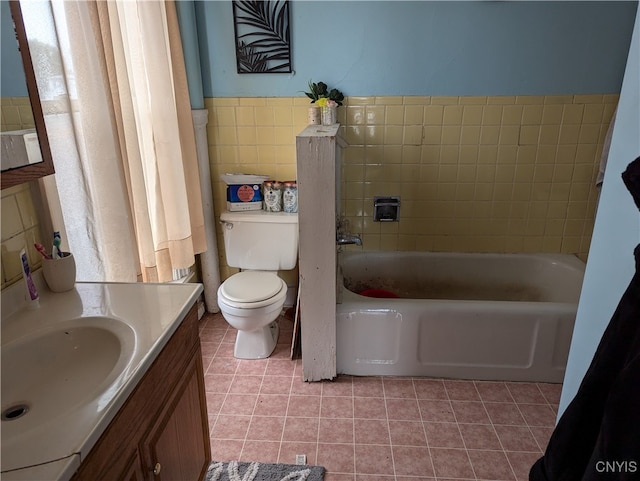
<point>262,36</point>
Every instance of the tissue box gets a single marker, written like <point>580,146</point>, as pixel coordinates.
<point>244,191</point>
<point>243,206</point>
<point>244,197</point>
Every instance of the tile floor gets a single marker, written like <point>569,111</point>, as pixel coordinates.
<point>370,428</point>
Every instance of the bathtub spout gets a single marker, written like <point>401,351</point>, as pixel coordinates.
<point>344,235</point>
<point>349,239</point>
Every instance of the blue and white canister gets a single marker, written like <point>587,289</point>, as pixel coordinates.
<point>290,196</point>
<point>272,195</point>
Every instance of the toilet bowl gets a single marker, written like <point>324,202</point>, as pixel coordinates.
<point>251,301</point>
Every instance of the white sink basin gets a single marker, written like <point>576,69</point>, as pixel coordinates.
<point>51,372</point>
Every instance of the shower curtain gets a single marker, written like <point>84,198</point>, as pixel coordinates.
<point>126,189</point>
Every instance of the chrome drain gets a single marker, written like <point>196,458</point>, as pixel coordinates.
<point>14,412</point>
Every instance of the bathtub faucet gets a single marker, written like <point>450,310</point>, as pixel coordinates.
<point>349,239</point>
<point>344,235</point>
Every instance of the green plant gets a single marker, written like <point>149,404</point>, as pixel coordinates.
<point>320,90</point>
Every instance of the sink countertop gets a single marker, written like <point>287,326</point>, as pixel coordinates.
<point>152,311</point>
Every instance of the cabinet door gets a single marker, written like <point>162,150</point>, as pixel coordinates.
<point>123,469</point>
<point>177,447</point>
<point>134,471</point>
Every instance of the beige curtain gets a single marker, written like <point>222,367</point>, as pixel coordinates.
<point>123,141</point>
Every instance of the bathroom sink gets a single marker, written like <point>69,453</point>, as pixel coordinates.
<point>69,366</point>
<point>51,372</point>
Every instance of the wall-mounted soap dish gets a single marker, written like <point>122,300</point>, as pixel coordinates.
<point>386,209</point>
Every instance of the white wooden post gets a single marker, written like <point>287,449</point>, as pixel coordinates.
<point>316,148</point>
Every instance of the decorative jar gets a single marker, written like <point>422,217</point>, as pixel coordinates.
<point>329,115</point>
<point>290,196</point>
<point>314,115</point>
<point>272,194</point>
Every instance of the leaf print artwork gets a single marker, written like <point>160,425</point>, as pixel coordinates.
<point>262,36</point>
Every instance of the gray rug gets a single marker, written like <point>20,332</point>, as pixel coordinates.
<point>239,471</point>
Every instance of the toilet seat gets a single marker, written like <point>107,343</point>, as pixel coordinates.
<point>252,289</point>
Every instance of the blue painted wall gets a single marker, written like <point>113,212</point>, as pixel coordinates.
<point>432,48</point>
<point>12,81</point>
<point>616,233</point>
<point>415,48</point>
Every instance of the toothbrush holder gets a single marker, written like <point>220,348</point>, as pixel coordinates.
<point>60,274</point>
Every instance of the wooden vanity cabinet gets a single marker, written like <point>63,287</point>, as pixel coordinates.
<point>161,433</point>
<point>171,445</point>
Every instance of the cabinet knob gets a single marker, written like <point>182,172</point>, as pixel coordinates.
<point>157,468</point>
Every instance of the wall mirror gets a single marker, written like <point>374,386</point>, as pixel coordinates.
<point>37,160</point>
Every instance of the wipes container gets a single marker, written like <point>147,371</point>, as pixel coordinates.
<point>272,190</point>
<point>290,196</point>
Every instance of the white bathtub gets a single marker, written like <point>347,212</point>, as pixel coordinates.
<point>468,316</point>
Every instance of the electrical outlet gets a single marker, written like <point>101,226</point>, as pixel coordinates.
<point>301,459</point>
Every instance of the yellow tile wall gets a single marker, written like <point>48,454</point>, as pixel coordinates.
<point>20,225</point>
<point>16,114</point>
<point>475,174</point>
<point>20,230</point>
<point>252,135</point>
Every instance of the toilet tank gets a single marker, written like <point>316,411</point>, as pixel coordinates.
<point>260,240</point>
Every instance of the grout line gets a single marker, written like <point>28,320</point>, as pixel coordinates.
<point>235,372</point>
<point>464,443</point>
<point>424,430</point>
<point>318,433</point>
<point>205,369</point>
<point>226,394</point>
<point>255,405</point>
<point>353,429</point>
<point>546,403</point>
<point>386,410</point>
<point>455,417</point>
<point>286,412</point>
<point>513,471</point>
<point>506,384</point>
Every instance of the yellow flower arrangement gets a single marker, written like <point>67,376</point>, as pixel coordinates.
<point>325,102</point>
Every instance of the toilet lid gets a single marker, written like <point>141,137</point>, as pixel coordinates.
<point>250,286</point>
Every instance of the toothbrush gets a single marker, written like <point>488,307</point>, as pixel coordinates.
<point>40,249</point>
<point>56,253</point>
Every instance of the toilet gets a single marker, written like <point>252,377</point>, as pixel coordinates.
<point>260,243</point>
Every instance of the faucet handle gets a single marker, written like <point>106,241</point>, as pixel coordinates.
<point>343,225</point>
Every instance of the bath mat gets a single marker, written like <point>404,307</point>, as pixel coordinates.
<point>240,471</point>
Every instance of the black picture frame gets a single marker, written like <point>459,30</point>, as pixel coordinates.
<point>262,36</point>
